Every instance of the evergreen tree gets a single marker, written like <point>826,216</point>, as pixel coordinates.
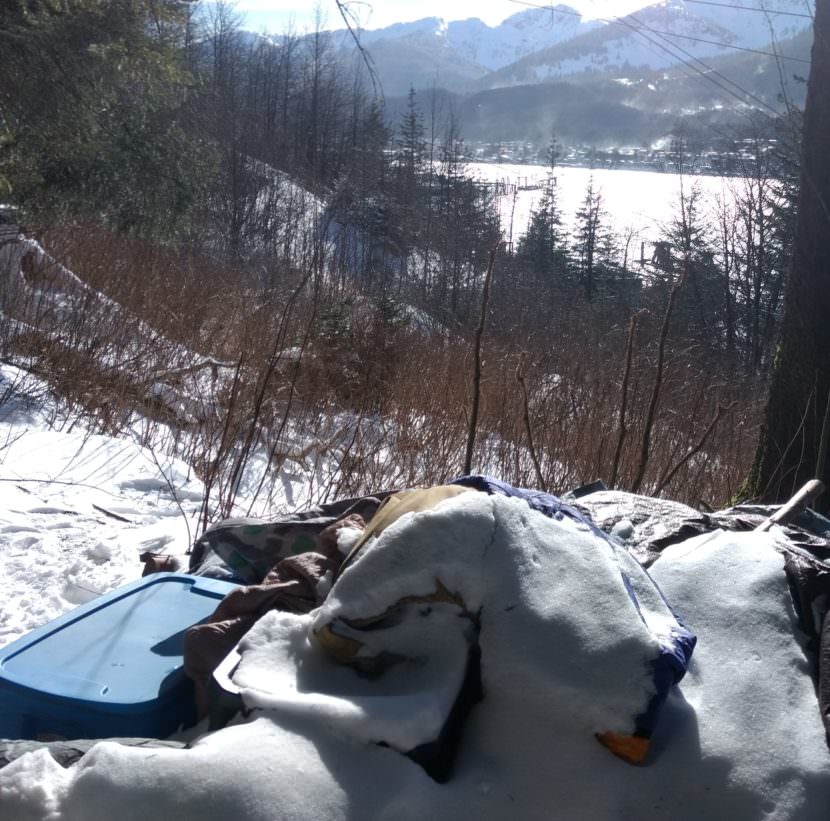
<point>591,242</point>
<point>763,251</point>
<point>411,145</point>
<point>542,251</point>
<point>90,93</point>
<point>688,237</point>
<point>409,166</point>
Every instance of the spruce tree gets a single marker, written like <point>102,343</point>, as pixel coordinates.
<point>542,250</point>
<point>591,241</point>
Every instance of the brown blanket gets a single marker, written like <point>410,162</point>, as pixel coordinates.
<point>293,585</point>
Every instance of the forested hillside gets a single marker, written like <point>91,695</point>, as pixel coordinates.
<point>254,201</point>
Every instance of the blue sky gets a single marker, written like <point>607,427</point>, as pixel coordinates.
<point>276,15</point>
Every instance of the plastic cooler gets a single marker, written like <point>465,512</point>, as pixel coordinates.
<point>110,668</point>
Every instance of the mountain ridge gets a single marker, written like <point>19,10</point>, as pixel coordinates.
<point>540,45</point>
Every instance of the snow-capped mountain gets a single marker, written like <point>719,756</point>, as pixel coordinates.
<point>490,47</point>
<point>655,37</point>
<point>519,35</point>
<point>456,55</point>
<point>621,46</point>
<point>538,45</point>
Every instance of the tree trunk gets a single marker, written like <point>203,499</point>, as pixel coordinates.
<point>788,452</point>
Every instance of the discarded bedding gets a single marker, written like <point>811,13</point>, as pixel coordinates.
<point>248,549</point>
<point>739,738</point>
<point>561,602</point>
<point>296,584</point>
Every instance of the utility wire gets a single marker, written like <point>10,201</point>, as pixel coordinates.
<point>708,71</point>
<point>672,49</point>
<point>669,48</point>
<point>707,77</point>
<point>741,89</point>
<point>620,21</point>
<point>759,9</point>
<point>723,45</point>
<point>706,74</point>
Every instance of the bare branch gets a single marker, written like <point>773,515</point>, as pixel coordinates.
<point>353,25</point>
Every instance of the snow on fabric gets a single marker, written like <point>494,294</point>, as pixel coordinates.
<point>537,584</point>
<point>740,738</point>
<point>748,695</point>
<point>284,674</point>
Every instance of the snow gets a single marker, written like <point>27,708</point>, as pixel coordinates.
<point>532,35</point>
<point>748,691</point>
<point>77,509</point>
<point>678,30</point>
<point>563,656</point>
<point>285,675</point>
<point>559,583</point>
<point>633,201</point>
<point>490,46</point>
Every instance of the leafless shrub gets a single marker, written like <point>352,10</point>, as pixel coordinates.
<point>252,376</point>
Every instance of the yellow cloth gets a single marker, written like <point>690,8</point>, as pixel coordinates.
<point>395,506</point>
<point>345,649</point>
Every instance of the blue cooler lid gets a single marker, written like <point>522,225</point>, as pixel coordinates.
<point>123,648</point>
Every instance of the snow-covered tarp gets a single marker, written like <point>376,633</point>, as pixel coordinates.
<point>740,738</point>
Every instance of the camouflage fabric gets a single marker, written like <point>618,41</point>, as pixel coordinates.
<point>251,547</point>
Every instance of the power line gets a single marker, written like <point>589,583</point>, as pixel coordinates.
<point>706,76</point>
<point>710,70</point>
<point>672,50</point>
<point>620,21</point>
<point>759,9</point>
<point>669,48</point>
<point>683,64</point>
<point>719,43</point>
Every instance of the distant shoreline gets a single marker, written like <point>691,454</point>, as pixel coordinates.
<point>698,163</point>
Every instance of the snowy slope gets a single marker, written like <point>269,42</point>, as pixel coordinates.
<point>755,24</point>
<point>77,509</point>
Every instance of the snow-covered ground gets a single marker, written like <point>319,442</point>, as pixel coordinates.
<point>77,509</point>
<point>563,657</point>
